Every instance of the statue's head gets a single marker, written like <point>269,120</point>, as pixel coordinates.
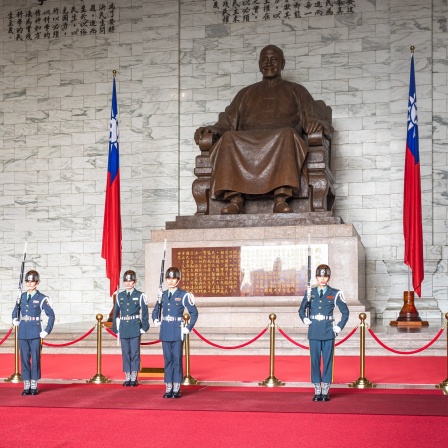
<point>271,62</point>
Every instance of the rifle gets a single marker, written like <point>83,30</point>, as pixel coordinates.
<point>162,269</point>
<point>19,289</point>
<point>308,289</point>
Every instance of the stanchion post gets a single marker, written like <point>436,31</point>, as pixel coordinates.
<point>188,379</point>
<point>99,378</point>
<point>362,382</point>
<point>444,384</point>
<point>271,380</point>
<point>16,377</point>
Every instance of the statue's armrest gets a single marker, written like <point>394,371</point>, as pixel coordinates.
<point>317,139</point>
<point>319,153</point>
<point>206,142</point>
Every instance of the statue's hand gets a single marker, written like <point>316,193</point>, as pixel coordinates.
<point>328,131</point>
<point>313,126</point>
<point>205,130</point>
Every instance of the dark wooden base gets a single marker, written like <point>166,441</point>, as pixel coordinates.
<point>151,372</point>
<point>409,317</point>
<point>418,324</point>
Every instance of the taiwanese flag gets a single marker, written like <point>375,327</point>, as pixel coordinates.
<point>111,250</point>
<point>412,204</point>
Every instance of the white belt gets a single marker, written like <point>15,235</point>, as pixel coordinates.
<point>321,317</point>
<point>26,318</point>
<point>171,318</point>
<point>129,317</point>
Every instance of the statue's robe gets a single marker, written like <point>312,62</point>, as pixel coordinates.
<point>262,147</point>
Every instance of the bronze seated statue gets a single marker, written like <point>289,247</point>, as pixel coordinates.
<point>271,143</point>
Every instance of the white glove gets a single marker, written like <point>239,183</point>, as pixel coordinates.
<point>185,330</point>
<point>42,334</point>
<point>159,294</point>
<point>142,331</point>
<point>117,323</point>
<point>336,329</point>
<point>15,321</point>
<point>307,321</point>
<point>157,323</point>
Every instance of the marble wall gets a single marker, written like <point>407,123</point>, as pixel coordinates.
<point>178,65</point>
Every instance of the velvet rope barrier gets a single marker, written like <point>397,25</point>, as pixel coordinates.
<point>110,332</point>
<point>229,348</point>
<point>346,337</point>
<point>65,344</point>
<point>437,336</point>
<point>141,343</point>
<point>158,341</point>
<point>6,336</point>
<point>307,348</point>
<point>292,340</point>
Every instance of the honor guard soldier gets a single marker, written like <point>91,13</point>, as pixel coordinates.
<point>172,303</point>
<point>317,313</point>
<point>130,321</point>
<point>27,315</point>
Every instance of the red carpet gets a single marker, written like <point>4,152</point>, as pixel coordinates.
<point>379,369</point>
<point>226,399</point>
<point>93,416</point>
<point>92,428</point>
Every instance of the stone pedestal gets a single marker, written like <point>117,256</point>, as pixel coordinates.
<point>345,256</point>
<point>427,307</point>
<point>409,315</point>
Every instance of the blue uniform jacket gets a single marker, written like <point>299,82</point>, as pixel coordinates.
<point>133,314</point>
<point>30,321</point>
<point>172,312</point>
<point>323,329</point>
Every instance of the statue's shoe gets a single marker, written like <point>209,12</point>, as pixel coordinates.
<point>232,209</point>
<point>282,207</point>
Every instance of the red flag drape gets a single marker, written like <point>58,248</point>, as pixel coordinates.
<point>111,249</point>
<point>412,203</point>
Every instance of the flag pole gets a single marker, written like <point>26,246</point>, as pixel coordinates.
<point>409,279</point>
<point>412,48</point>
<point>112,230</point>
<point>412,214</point>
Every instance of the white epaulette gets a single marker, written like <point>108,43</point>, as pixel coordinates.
<point>145,299</point>
<point>340,295</point>
<point>190,297</point>
<point>48,300</point>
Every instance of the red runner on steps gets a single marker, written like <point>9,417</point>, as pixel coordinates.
<point>97,428</point>
<point>229,399</point>
<point>378,369</point>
